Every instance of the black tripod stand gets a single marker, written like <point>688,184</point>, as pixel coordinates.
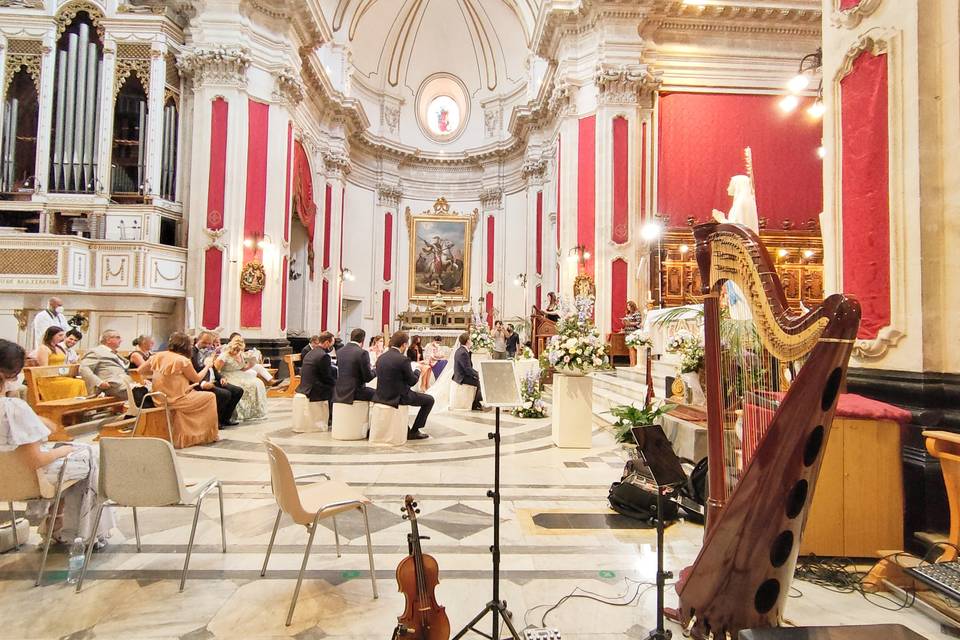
<point>496,606</point>
<point>662,576</point>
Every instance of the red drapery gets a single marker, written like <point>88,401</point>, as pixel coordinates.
<point>865,202</point>
<point>702,137</point>
<point>304,206</point>
<point>385,311</point>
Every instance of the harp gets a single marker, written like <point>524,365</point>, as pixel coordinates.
<point>766,429</point>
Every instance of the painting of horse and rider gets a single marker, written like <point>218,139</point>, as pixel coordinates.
<point>440,256</point>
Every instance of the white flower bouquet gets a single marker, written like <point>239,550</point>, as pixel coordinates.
<point>524,353</point>
<point>532,405</point>
<point>639,339</point>
<point>690,348</point>
<point>480,339</point>
<point>578,346</point>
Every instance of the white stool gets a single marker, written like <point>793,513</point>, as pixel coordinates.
<point>388,425</point>
<point>461,396</point>
<point>309,416</point>
<point>350,421</point>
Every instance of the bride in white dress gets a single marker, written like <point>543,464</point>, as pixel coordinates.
<point>441,387</point>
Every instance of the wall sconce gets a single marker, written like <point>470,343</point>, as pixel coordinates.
<point>579,254</point>
<point>810,65</point>
<point>521,280</point>
<point>258,240</point>
<point>346,275</point>
<point>651,231</point>
<point>808,253</point>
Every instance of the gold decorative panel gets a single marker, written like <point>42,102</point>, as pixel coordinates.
<point>797,254</point>
<point>23,54</point>
<point>35,262</point>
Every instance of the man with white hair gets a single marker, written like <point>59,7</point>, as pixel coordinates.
<point>49,317</point>
<point>103,369</point>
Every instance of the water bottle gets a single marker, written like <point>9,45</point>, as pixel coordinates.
<point>77,553</point>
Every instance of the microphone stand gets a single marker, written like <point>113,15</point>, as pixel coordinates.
<point>496,606</point>
<point>660,633</point>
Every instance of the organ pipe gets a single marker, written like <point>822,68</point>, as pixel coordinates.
<point>73,162</point>
<point>9,144</point>
<point>70,122</point>
<point>169,159</point>
<point>59,122</point>
<point>83,39</point>
<point>141,146</point>
<point>90,117</point>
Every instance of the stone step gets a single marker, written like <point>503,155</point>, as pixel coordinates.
<point>623,386</point>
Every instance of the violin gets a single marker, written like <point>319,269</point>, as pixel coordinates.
<point>417,577</point>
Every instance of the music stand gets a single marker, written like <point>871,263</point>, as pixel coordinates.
<point>667,472</point>
<point>498,384</point>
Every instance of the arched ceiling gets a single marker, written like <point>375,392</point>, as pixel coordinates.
<point>395,44</point>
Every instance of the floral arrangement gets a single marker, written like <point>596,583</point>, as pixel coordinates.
<point>629,416</point>
<point>524,353</point>
<point>577,347</point>
<point>480,339</point>
<point>690,348</point>
<point>639,339</point>
<point>530,393</point>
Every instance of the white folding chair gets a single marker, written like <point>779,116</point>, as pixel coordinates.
<point>143,472</point>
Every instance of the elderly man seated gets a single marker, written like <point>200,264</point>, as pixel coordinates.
<point>103,369</point>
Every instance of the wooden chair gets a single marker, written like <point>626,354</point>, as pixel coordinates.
<point>945,446</point>
<point>153,422</point>
<point>291,359</point>
<point>68,410</point>
<point>307,506</point>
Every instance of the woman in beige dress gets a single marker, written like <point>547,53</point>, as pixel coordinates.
<point>194,412</point>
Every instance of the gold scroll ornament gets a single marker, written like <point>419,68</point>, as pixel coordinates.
<point>253,278</point>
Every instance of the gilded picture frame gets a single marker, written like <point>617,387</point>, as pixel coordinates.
<point>440,249</point>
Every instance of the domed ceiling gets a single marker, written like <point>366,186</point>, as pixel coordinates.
<point>396,44</point>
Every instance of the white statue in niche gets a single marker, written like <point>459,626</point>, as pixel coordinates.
<point>744,208</point>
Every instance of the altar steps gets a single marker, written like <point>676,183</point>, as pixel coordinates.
<point>623,385</point>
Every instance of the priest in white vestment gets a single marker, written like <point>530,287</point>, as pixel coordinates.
<point>52,315</point>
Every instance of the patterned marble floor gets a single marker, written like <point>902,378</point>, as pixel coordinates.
<point>557,536</point>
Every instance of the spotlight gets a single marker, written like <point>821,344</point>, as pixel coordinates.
<point>248,243</point>
<point>789,103</point>
<point>822,151</point>
<point>807,253</point>
<point>816,110</point>
<point>650,231</point>
<point>684,248</point>
<point>586,255</point>
<point>782,253</point>
<point>798,83</point>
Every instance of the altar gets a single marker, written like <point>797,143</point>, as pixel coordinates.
<point>448,337</point>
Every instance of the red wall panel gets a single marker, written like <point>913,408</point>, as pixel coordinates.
<point>618,293</point>
<point>539,232</point>
<point>586,188</point>
<point>539,297</point>
<point>385,312</point>
<point>489,307</point>
<point>258,118</point>
<point>490,248</point>
<point>284,277</point>
<point>388,247</point>
<point>289,172</point>
<point>702,137</point>
<point>219,110</point>
<point>324,303</point>
<point>327,217</point>
<point>865,200</point>
<point>643,171</point>
<point>620,230</point>
<point>212,287</point>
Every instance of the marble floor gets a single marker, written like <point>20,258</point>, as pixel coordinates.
<point>558,537</point>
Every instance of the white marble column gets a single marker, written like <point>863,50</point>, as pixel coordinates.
<point>45,113</point>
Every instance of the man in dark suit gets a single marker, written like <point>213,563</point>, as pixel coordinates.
<point>463,371</point>
<point>317,374</point>
<point>228,395</point>
<point>395,376</point>
<point>354,371</point>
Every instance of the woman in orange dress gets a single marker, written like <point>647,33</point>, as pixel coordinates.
<point>194,412</point>
<point>51,353</point>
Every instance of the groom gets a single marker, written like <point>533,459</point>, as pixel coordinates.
<point>463,371</point>
<point>395,376</point>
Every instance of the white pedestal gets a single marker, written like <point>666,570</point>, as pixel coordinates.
<point>572,418</point>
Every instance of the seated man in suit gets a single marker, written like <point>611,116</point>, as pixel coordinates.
<point>318,375</point>
<point>228,395</point>
<point>395,376</point>
<point>463,371</point>
<point>354,371</point>
<point>103,369</point>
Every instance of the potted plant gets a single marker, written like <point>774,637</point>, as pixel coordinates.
<point>629,416</point>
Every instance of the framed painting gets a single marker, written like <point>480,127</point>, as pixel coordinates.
<point>439,249</point>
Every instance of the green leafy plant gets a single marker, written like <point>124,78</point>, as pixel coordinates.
<point>629,416</point>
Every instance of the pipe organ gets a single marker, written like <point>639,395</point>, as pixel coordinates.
<point>18,148</point>
<point>73,165</point>
<point>168,168</point>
